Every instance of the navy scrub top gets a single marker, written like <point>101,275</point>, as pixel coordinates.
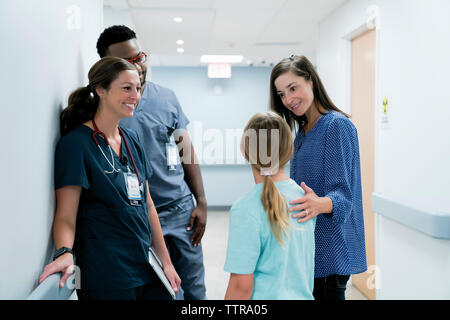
<point>112,236</point>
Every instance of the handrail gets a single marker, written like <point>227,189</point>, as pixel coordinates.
<point>434,224</point>
<point>49,289</point>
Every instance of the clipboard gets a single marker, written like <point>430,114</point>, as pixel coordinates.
<point>157,266</point>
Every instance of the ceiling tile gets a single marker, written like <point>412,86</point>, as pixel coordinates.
<point>260,30</point>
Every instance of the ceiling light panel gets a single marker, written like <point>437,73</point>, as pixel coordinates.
<point>207,58</point>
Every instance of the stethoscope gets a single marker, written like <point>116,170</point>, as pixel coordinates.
<point>94,137</point>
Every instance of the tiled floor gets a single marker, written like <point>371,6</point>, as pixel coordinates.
<point>214,249</point>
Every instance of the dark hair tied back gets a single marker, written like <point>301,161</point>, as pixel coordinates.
<point>83,102</point>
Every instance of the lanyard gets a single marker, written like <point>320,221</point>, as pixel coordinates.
<point>94,134</point>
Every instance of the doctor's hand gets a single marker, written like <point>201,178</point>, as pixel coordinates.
<point>198,217</point>
<point>63,264</point>
<point>172,276</point>
<point>310,205</point>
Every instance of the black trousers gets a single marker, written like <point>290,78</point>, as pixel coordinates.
<point>154,290</point>
<point>330,288</point>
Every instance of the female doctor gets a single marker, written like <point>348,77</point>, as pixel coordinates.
<point>105,215</point>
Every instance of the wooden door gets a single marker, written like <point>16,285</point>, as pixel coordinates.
<point>363,116</point>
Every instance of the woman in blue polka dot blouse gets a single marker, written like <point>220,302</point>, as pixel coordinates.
<point>326,165</point>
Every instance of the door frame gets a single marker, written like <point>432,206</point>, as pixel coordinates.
<point>372,21</point>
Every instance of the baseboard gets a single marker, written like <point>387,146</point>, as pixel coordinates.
<point>219,208</point>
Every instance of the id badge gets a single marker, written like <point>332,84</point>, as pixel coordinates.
<point>172,154</point>
<point>133,189</point>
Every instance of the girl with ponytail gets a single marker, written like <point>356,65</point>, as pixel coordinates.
<point>269,255</point>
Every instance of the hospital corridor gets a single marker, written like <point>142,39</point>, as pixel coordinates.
<point>214,150</point>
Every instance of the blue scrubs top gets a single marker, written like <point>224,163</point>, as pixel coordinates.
<point>327,160</point>
<point>157,111</point>
<point>112,236</point>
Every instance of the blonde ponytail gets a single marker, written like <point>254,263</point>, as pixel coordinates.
<point>276,209</point>
<point>257,135</point>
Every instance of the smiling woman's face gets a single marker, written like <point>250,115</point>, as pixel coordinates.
<point>123,95</point>
<point>295,92</point>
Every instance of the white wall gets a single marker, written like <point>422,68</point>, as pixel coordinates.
<point>46,53</point>
<point>413,149</point>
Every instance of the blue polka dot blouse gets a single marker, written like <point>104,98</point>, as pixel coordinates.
<point>327,160</point>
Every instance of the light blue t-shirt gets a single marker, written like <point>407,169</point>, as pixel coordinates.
<point>280,272</point>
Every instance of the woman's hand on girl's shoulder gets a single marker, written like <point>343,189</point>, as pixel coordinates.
<point>310,205</point>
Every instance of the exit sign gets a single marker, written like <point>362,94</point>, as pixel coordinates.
<point>219,70</point>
